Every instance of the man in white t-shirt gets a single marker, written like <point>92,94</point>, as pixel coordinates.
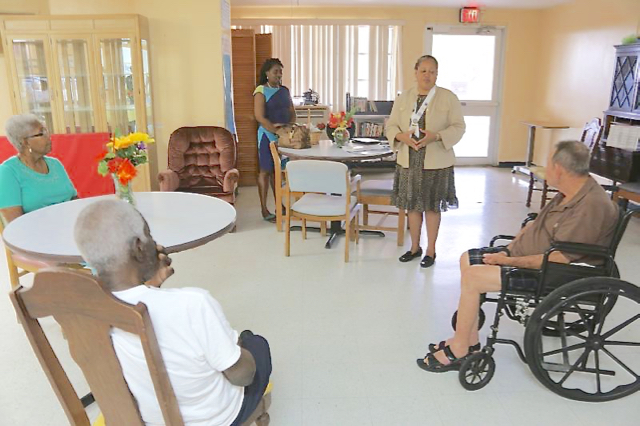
<point>218,376</point>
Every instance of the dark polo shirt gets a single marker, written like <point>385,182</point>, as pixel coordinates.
<point>590,217</point>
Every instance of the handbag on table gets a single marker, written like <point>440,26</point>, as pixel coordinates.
<point>293,136</point>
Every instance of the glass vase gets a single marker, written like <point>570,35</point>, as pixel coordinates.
<point>123,191</point>
<point>341,136</point>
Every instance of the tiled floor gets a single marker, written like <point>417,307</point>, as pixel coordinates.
<point>345,336</point>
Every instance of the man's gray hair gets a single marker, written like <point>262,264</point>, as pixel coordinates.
<point>19,127</point>
<point>573,156</point>
<point>104,231</point>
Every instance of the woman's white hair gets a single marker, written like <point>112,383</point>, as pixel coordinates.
<point>104,231</point>
<point>19,127</point>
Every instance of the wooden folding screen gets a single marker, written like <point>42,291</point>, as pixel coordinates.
<point>249,53</point>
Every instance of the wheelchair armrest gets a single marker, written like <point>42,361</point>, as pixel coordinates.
<point>500,237</point>
<point>580,248</point>
<point>530,217</point>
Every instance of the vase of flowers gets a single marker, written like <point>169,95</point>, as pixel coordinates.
<point>342,124</point>
<point>341,136</point>
<point>120,158</point>
<point>123,191</point>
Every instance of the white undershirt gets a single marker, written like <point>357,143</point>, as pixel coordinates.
<point>197,344</point>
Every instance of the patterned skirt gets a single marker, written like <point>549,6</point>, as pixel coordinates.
<point>416,189</point>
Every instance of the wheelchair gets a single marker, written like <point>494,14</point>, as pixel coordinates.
<point>579,341</point>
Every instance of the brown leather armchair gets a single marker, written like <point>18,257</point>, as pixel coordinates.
<point>202,160</point>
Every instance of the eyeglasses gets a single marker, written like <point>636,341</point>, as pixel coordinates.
<point>38,135</point>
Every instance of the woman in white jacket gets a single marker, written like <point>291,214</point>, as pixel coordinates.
<point>425,123</point>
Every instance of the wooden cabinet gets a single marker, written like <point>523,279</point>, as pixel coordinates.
<point>625,93</point>
<point>82,74</point>
<point>624,110</point>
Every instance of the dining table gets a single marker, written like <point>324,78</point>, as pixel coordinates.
<point>352,152</point>
<point>177,220</point>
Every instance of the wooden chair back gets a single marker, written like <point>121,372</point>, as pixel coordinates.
<point>86,312</point>
<point>591,133</point>
<point>14,271</point>
<point>278,176</point>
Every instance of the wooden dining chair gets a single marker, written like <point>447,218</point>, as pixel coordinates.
<point>591,134</point>
<point>86,312</point>
<point>18,265</point>
<point>279,181</point>
<point>327,187</point>
<point>378,193</point>
<point>279,177</point>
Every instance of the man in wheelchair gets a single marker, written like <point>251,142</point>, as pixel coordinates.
<point>581,212</point>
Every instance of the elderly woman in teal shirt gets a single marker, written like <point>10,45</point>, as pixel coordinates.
<point>30,180</point>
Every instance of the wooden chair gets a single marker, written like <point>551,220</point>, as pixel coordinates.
<point>317,179</point>
<point>86,312</point>
<point>18,265</point>
<point>279,178</point>
<point>279,183</point>
<point>378,192</point>
<point>591,134</point>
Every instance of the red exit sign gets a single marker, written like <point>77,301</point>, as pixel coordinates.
<point>469,15</point>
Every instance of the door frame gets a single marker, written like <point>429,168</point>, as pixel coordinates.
<point>498,73</point>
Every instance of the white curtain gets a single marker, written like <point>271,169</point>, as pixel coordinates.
<point>325,58</point>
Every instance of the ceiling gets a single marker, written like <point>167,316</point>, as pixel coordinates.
<point>494,4</point>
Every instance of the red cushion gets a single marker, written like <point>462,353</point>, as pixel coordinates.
<point>77,153</point>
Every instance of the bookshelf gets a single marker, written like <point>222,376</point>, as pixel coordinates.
<point>371,117</point>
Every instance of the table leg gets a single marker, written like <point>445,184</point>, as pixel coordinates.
<point>335,230</point>
<point>531,143</point>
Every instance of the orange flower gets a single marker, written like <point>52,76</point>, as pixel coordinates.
<point>101,156</point>
<point>126,171</point>
<point>114,164</point>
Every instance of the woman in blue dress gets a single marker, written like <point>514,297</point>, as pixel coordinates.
<point>273,108</point>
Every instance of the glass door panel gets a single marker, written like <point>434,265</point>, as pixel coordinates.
<point>117,85</point>
<point>33,80</point>
<point>146,75</point>
<point>73,67</point>
<point>466,65</point>
<point>475,142</point>
<point>470,65</point>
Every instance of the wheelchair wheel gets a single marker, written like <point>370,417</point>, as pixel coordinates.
<point>481,319</point>
<point>477,371</point>
<point>598,361</point>
<point>580,324</point>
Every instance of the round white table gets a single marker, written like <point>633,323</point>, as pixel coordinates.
<point>177,220</point>
<point>326,150</point>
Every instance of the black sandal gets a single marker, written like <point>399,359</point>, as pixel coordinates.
<point>440,347</point>
<point>434,366</point>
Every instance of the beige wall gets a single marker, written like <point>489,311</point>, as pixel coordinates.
<point>558,61</point>
<point>521,51</point>
<point>24,6</point>
<point>186,61</point>
<point>578,58</point>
